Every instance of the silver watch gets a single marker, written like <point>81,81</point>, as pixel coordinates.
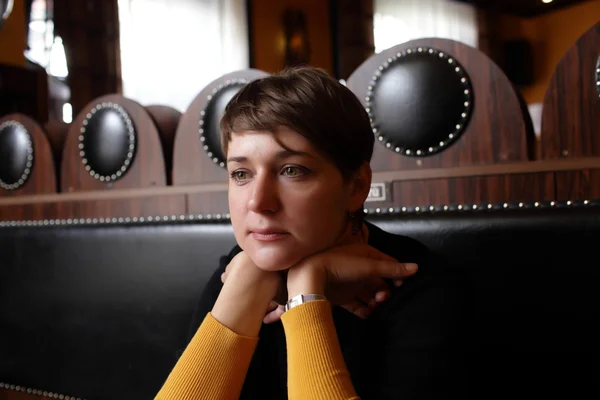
<point>302,298</point>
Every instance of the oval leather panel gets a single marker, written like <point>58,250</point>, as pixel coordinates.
<point>598,77</point>
<point>420,102</point>
<point>108,142</point>
<point>16,155</point>
<point>210,133</point>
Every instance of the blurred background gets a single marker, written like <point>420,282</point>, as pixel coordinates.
<point>58,55</point>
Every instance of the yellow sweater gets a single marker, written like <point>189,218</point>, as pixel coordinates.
<point>214,364</point>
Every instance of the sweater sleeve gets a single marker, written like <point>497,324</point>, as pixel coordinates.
<point>213,366</point>
<point>316,367</point>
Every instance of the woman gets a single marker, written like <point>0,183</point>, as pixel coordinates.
<point>298,148</point>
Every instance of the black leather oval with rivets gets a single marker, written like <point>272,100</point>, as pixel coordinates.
<point>418,103</point>
<point>15,148</point>
<point>212,118</point>
<point>106,141</point>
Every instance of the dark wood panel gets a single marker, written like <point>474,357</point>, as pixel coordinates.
<point>571,110</point>
<point>475,190</point>
<point>90,33</point>
<point>147,168</point>
<point>499,129</point>
<point>166,119</point>
<point>578,185</point>
<point>191,164</point>
<point>208,203</point>
<point>42,178</point>
<point>103,208</point>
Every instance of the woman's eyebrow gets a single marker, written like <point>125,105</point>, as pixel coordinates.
<point>290,153</point>
<point>237,159</point>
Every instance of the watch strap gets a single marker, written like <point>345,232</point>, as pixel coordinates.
<point>302,298</point>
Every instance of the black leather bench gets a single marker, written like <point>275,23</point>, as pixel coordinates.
<point>100,309</point>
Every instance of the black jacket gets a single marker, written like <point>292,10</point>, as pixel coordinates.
<point>414,346</point>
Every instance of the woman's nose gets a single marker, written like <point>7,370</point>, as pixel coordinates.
<point>264,197</point>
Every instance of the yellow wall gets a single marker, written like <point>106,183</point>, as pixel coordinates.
<point>551,36</point>
<point>268,34</point>
<point>12,36</point>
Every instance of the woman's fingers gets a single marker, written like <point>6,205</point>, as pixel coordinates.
<point>358,308</point>
<point>274,315</point>
<point>347,268</point>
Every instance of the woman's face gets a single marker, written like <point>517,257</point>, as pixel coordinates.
<point>285,199</point>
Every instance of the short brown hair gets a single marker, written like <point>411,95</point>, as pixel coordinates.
<point>310,102</point>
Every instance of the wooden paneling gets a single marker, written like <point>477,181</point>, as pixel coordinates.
<point>166,119</point>
<point>571,111</point>
<point>42,178</point>
<point>147,168</point>
<point>497,132</point>
<point>352,30</point>
<point>475,190</point>
<point>516,182</point>
<point>168,205</point>
<point>90,33</point>
<point>191,163</point>
<point>578,185</point>
<point>208,203</point>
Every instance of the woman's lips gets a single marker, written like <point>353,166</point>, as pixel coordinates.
<point>268,236</point>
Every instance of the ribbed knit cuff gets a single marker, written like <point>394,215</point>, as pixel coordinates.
<point>213,366</point>
<point>316,367</point>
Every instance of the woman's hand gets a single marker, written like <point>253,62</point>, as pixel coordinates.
<point>275,308</point>
<point>245,296</point>
<point>351,276</point>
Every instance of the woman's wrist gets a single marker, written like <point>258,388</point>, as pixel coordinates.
<point>306,278</point>
<point>244,298</point>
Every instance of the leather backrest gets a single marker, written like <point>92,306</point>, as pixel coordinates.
<point>102,310</point>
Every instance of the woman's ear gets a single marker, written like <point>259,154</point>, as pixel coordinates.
<point>360,186</point>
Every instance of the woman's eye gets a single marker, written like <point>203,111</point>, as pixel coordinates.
<point>293,171</point>
<point>239,175</point>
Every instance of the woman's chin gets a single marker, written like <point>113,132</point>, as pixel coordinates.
<point>272,261</point>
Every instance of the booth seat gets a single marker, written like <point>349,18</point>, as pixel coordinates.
<point>101,308</point>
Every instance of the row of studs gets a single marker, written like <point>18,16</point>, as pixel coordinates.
<point>372,211</point>
<point>130,151</point>
<point>37,392</point>
<point>227,83</point>
<point>598,76</point>
<point>119,220</point>
<point>459,127</point>
<point>29,164</point>
<point>482,207</point>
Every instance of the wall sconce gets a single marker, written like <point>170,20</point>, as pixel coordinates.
<point>297,47</point>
